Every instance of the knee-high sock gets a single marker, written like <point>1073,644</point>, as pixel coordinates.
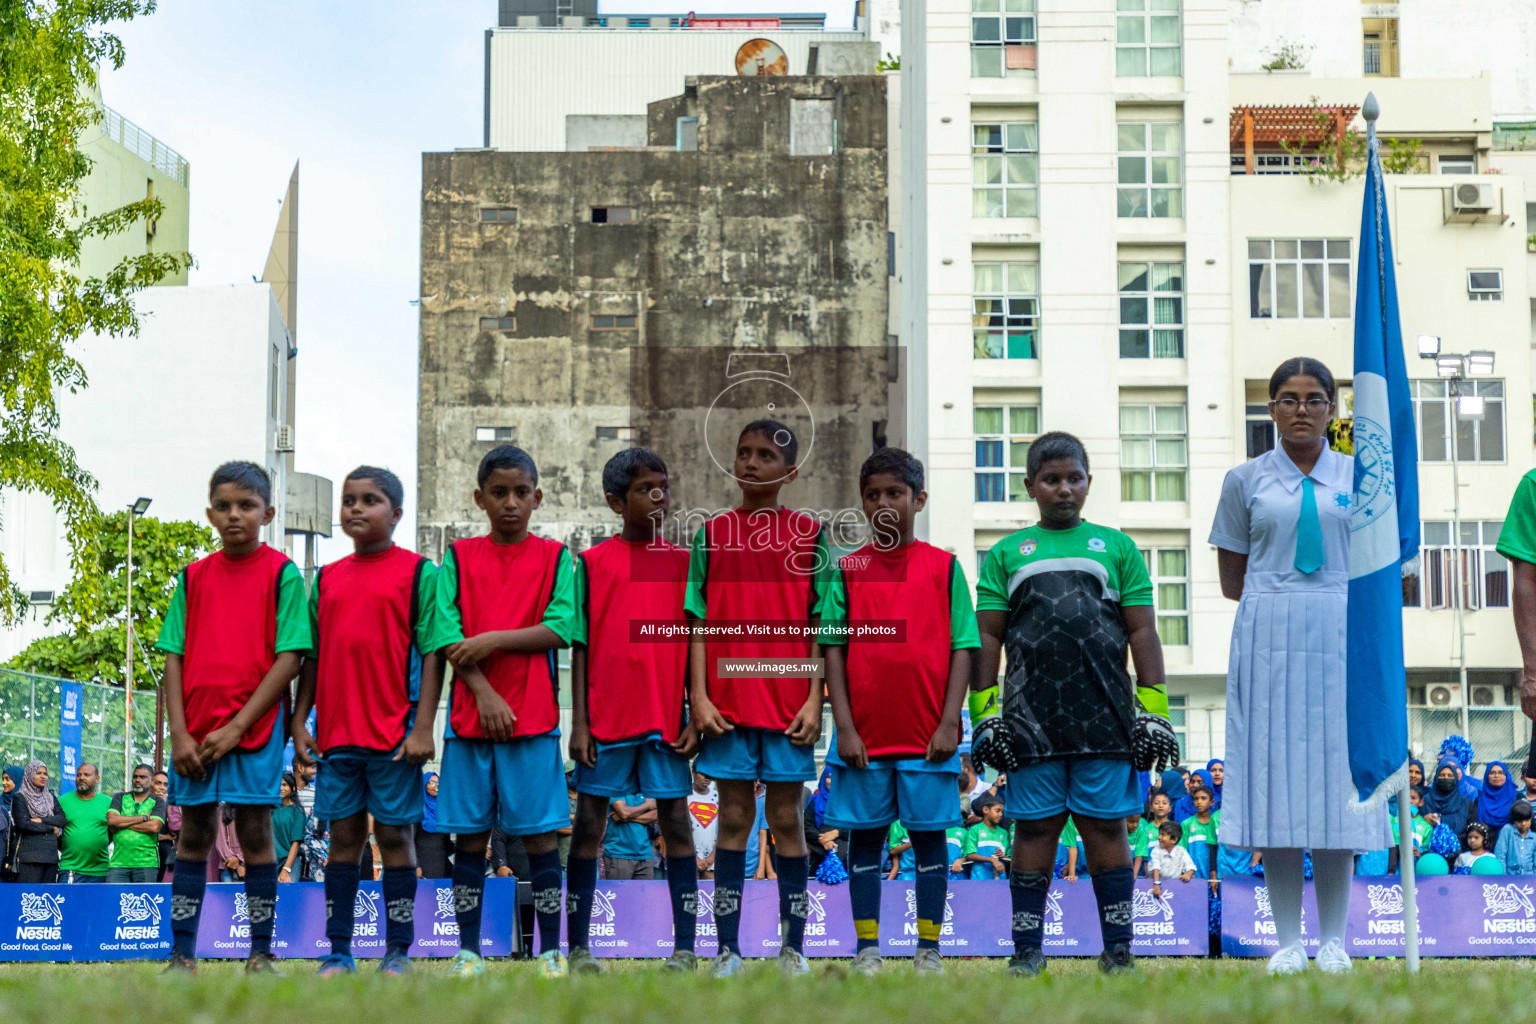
<point>188,886</point>
<point>932,886</point>
<point>864,849</point>
<point>730,877</point>
<point>261,902</point>
<point>1282,877</point>
<point>683,887</point>
<point>340,904</point>
<point>468,898</point>
<point>580,885</point>
<point>1027,891</point>
<point>1113,889</point>
<point>1331,874</point>
<point>545,871</point>
<point>793,905</point>
<point>399,908</point>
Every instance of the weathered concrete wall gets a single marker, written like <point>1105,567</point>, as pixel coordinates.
<point>737,247</point>
<point>597,131</point>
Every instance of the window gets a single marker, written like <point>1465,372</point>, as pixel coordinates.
<point>1147,39</point>
<point>1005,170</point>
<point>498,323</point>
<point>1458,164</point>
<point>1291,277</point>
<point>1378,54</point>
<point>613,323</point>
<point>1003,434</point>
<point>1169,569</point>
<point>1476,440</point>
<point>1153,455</point>
<point>1260,429</point>
<point>1151,170</point>
<point>613,214</point>
<point>1270,163</point>
<point>1151,310</point>
<point>1470,575</point>
<point>812,128</point>
<point>1372,53</point>
<point>617,434</point>
<point>1485,285</point>
<point>498,215</point>
<point>1178,717</point>
<point>1002,37</point>
<point>1005,323</point>
<point>493,433</point>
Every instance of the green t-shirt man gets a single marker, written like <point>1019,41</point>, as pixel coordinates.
<point>130,847</point>
<point>83,843</point>
<point>1517,538</point>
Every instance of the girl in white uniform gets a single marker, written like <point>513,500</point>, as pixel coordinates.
<point>1282,533</point>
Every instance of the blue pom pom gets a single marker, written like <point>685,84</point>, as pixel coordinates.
<point>1215,915</point>
<point>831,871</point>
<point>1444,842</point>
<point>1457,746</point>
<point>1306,865</point>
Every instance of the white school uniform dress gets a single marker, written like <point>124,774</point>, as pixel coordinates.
<point>1287,744</point>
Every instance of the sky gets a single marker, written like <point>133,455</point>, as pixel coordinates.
<point>355,92</point>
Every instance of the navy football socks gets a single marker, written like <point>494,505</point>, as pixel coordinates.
<point>261,903</point>
<point>188,886</point>
<point>730,879</point>
<point>794,906</point>
<point>399,908</point>
<point>545,871</point>
<point>469,897</point>
<point>683,886</point>
<point>580,884</point>
<point>864,850</point>
<point>340,901</point>
<point>932,855</point>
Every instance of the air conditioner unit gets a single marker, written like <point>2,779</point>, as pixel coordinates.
<point>1486,696</point>
<point>1443,695</point>
<point>285,438</point>
<point>1472,197</point>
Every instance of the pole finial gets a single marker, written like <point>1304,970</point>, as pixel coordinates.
<point>1371,110</point>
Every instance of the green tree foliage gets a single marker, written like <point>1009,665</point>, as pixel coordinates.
<point>92,605</point>
<point>49,52</point>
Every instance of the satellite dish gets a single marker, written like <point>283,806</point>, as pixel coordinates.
<point>761,57</point>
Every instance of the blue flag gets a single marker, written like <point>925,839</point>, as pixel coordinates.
<point>1384,527</point>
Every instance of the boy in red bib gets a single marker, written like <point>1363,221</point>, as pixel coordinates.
<point>505,603</point>
<point>375,699</point>
<point>896,700</point>
<point>628,728</point>
<point>232,639</point>
<point>757,564</point>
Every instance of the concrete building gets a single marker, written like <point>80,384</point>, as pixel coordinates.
<point>577,303</point>
<point>560,75</point>
<point>127,165</point>
<point>162,411</point>
<point>1099,260</point>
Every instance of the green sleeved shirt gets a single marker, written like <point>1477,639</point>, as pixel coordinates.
<point>448,625</point>
<point>293,621</point>
<point>962,615</point>
<point>1517,538</point>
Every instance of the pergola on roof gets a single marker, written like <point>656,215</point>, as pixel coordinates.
<point>1307,125</point>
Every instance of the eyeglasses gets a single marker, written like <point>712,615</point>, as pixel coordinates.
<point>1312,404</point>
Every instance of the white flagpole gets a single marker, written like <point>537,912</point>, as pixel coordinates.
<point>1405,868</point>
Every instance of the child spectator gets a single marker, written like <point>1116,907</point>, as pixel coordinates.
<point>1170,860</point>
<point>986,842</point>
<point>1475,840</point>
<point>1200,832</point>
<point>903,861</point>
<point>1516,848</point>
<point>954,845</point>
<point>1070,853</point>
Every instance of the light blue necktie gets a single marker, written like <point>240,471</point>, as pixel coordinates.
<point>1309,532</point>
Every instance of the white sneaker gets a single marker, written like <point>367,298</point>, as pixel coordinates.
<point>1290,960</point>
<point>1332,959</point>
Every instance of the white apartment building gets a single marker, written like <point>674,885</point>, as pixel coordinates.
<point>204,382</point>
<point>1101,261</point>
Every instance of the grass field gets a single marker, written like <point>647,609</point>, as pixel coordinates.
<point>974,991</point>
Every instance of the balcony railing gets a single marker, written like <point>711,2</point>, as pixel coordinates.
<point>145,146</point>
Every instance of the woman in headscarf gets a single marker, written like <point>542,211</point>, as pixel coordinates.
<point>1282,534</point>
<point>1218,771</point>
<point>1185,806</point>
<point>9,782</point>
<point>821,838</point>
<point>432,847</point>
<point>37,819</point>
<point>1171,785</point>
<point>1415,773</point>
<point>1445,803</point>
<point>1498,795</point>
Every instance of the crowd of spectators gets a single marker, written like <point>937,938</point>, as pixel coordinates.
<point>1461,825</point>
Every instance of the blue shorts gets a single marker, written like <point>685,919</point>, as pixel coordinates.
<point>248,777</point>
<point>389,790</point>
<point>518,785</point>
<point>873,797</point>
<point>648,767</point>
<point>749,755</point>
<point>1095,787</point>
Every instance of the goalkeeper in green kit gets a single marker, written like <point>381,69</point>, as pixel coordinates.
<point>1068,599</point>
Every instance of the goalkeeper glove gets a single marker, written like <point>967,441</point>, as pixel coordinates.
<point>991,739</point>
<point>1153,743</point>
